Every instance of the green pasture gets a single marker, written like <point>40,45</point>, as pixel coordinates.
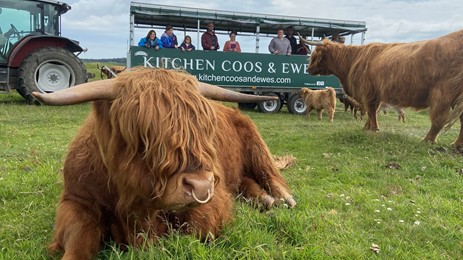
<point>353,188</point>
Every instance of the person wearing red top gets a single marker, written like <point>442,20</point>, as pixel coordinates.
<point>209,40</point>
<point>232,45</point>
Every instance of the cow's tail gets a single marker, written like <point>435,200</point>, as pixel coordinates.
<point>456,110</point>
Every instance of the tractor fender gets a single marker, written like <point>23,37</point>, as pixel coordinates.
<point>34,42</point>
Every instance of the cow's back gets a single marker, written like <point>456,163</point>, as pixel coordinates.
<point>232,130</point>
<point>404,73</point>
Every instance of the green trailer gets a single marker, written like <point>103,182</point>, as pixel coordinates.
<point>254,73</point>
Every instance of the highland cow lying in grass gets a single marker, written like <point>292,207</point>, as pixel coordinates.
<point>155,155</point>
<point>319,100</point>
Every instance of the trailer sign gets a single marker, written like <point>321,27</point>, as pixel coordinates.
<point>235,69</point>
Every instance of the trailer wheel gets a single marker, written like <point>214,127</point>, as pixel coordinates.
<point>296,105</point>
<point>270,106</point>
<point>48,70</point>
<point>247,106</point>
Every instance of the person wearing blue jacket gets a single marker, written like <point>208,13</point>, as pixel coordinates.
<point>168,38</point>
<point>150,41</point>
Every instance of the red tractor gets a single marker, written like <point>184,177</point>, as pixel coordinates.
<point>33,55</point>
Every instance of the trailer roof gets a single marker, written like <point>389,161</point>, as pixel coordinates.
<point>61,7</point>
<point>185,17</point>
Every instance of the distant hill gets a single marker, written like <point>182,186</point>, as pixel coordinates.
<point>121,61</point>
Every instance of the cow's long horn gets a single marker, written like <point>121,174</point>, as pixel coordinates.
<point>221,94</point>
<point>309,42</point>
<point>96,90</point>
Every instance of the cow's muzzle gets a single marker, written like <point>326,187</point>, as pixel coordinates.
<point>200,188</point>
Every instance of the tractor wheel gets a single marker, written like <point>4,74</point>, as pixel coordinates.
<point>271,106</point>
<point>48,70</point>
<point>296,105</point>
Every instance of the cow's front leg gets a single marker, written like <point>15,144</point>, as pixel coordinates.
<point>251,190</point>
<point>309,110</point>
<point>77,231</point>
<point>278,194</point>
<point>319,114</point>
<point>331,111</point>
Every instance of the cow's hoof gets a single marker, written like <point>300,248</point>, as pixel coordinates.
<point>291,202</point>
<point>268,201</point>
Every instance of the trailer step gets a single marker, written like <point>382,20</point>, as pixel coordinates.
<point>4,80</point>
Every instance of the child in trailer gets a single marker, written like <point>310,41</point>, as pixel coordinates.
<point>186,44</point>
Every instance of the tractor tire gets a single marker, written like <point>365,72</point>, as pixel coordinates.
<point>271,106</point>
<point>48,70</point>
<point>296,105</point>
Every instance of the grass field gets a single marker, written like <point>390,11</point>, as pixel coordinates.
<point>353,189</point>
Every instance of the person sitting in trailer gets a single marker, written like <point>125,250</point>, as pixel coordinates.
<point>150,41</point>
<point>301,48</point>
<point>232,45</point>
<point>186,44</point>
<point>168,38</point>
<point>209,40</point>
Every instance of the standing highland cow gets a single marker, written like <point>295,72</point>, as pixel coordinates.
<point>319,100</point>
<point>155,154</point>
<point>419,74</point>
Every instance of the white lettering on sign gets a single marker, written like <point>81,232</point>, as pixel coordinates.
<point>188,64</point>
<point>238,66</point>
<point>178,63</point>
<point>285,68</point>
<point>294,68</point>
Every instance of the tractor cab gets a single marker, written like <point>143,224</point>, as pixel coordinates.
<point>19,19</point>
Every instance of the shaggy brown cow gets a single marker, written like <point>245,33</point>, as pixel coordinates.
<point>419,75</point>
<point>319,100</point>
<point>110,72</point>
<point>155,154</point>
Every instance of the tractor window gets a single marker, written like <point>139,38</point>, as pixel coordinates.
<point>50,20</point>
<point>14,24</point>
<point>21,18</point>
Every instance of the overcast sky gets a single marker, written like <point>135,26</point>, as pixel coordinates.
<point>103,26</point>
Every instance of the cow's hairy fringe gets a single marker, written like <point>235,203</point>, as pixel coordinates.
<point>159,124</point>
